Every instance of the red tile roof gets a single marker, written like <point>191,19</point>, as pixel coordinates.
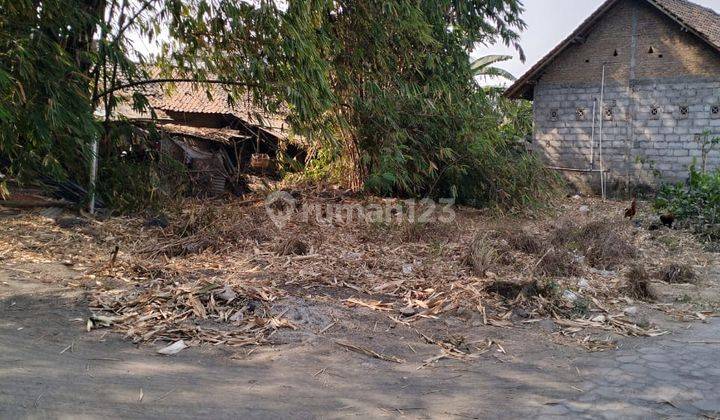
<point>702,19</point>
<point>194,98</point>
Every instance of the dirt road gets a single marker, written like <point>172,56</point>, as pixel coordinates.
<point>50,367</point>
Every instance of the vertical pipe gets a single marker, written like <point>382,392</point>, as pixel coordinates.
<point>93,174</point>
<point>632,105</point>
<point>602,118</point>
<point>592,134</point>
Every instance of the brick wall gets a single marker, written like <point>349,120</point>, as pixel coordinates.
<point>662,88</point>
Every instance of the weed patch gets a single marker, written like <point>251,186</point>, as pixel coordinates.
<point>523,241</point>
<point>559,263</point>
<point>695,204</point>
<point>602,246</point>
<point>678,274</point>
<point>637,284</point>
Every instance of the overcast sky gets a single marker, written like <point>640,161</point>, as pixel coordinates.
<point>548,23</point>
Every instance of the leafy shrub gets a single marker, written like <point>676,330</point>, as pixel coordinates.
<point>125,185</point>
<point>695,204</point>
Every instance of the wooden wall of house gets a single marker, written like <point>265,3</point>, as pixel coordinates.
<point>196,119</point>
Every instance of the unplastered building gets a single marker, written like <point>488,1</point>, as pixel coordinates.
<point>633,92</point>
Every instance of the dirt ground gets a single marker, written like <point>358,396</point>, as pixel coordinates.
<point>50,367</point>
<point>102,375</point>
<point>526,364</point>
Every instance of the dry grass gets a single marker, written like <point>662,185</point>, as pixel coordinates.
<point>195,228</point>
<point>426,232</point>
<point>292,246</point>
<point>434,269</point>
<point>482,255</point>
<point>598,240</point>
<point>558,263</point>
<point>676,273</point>
<point>523,241</point>
<point>411,232</point>
<point>637,284</point>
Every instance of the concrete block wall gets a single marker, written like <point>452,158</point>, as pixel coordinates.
<point>647,136</point>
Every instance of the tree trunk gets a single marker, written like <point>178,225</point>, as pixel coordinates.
<point>358,173</point>
<point>81,43</point>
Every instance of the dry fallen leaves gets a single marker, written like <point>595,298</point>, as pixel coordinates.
<point>213,274</point>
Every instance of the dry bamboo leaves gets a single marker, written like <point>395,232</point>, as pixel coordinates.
<point>162,310</point>
<point>214,272</point>
<point>376,305</point>
<point>368,352</point>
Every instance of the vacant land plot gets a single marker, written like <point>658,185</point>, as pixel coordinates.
<point>487,314</point>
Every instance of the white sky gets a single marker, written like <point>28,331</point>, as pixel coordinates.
<point>549,22</point>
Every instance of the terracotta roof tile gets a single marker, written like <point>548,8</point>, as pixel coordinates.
<point>193,98</point>
<point>702,19</point>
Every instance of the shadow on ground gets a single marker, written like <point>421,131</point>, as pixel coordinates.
<point>49,366</point>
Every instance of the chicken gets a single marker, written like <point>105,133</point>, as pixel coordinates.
<point>631,211</point>
<point>668,219</point>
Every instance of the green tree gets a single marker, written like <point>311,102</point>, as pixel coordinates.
<point>384,86</point>
<point>45,110</point>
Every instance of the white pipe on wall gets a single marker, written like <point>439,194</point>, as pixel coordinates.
<point>592,135</point>
<point>602,118</point>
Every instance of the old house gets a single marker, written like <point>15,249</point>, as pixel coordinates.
<point>633,92</point>
<point>216,138</point>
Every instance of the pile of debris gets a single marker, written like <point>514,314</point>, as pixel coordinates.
<point>196,312</point>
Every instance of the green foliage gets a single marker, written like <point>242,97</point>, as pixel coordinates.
<point>325,164</point>
<point>483,66</point>
<point>45,116</point>
<point>401,95</point>
<point>708,143</point>
<point>696,203</point>
<point>133,176</point>
<point>384,87</point>
<point>515,117</point>
<point>127,184</point>
<point>473,150</point>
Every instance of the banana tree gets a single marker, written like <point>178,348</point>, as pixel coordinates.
<point>483,66</point>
